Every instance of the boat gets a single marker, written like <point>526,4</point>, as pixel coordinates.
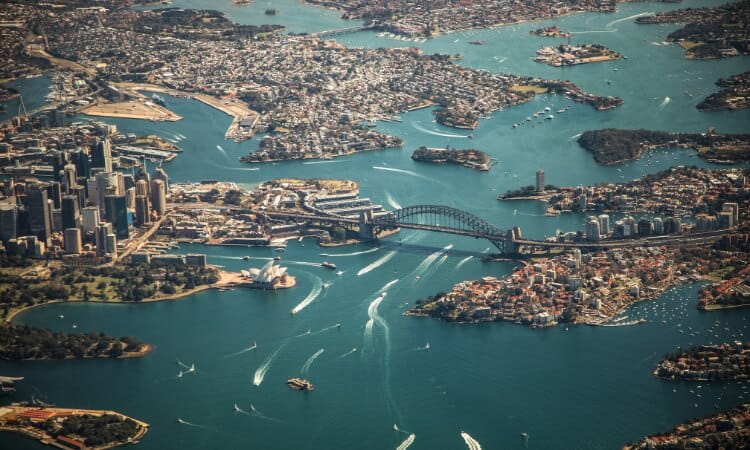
<point>471,136</point>
<point>299,384</point>
<point>550,117</point>
<point>246,258</point>
<point>277,258</point>
<point>271,12</point>
<point>324,254</point>
<point>477,42</point>
<point>279,249</point>
<point>328,265</point>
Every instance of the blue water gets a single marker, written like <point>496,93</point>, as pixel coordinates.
<point>580,387</point>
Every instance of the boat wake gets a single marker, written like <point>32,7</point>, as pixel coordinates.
<point>575,136</point>
<point>470,441</point>
<point>372,311</point>
<point>190,424</point>
<point>350,352</point>
<point>363,252</point>
<point>391,201</point>
<point>221,149</point>
<point>634,16</point>
<point>323,330</point>
<point>463,261</point>
<point>424,265</point>
<point>389,284</point>
<point>314,293</point>
<point>436,133</point>
<point>327,161</point>
<point>425,347</point>
<point>244,350</point>
<point>311,359</point>
<point>261,372</point>
<point>664,103</point>
<point>409,172</point>
<point>377,263</point>
<point>407,442</point>
<point>260,415</point>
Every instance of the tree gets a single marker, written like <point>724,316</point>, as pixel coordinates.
<point>338,233</point>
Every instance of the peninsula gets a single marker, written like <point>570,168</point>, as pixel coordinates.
<point>72,428</point>
<point>573,287</point>
<point>428,18</point>
<point>19,342</point>
<point>734,95</point>
<point>570,55</point>
<point>727,429</point>
<point>724,362</point>
<point>709,33</point>
<point>471,158</point>
<point>310,96</point>
<point>612,146</point>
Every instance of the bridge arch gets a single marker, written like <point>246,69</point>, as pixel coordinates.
<point>444,219</point>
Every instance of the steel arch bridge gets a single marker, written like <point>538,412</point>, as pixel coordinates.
<point>444,219</point>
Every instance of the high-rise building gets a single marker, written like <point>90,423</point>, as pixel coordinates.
<point>726,219</point>
<point>158,197</point>
<point>160,174</point>
<point>117,213</point>
<point>735,209</point>
<point>73,244</point>
<point>81,160</point>
<point>103,231</point>
<point>604,224</point>
<point>69,178</point>
<point>645,227</point>
<point>658,225</point>
<point>39,212</point>
<point>90,219</point>
<point>142,210</point>
<point>582,202</point>
<point>593,232</point>
<point>101,155</point>
<point>106,184</point>
<point>540,180</point>
<point>8,222</point>
<point>141,188</point>
<point>673,225</point>
<point>70,212</point>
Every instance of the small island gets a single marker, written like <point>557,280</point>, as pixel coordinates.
<point>571,55</point>
<point>613,146</point>
<point>725,362</point>
<point>471,158</point>
<point>727,429</point>
<point>72,428</point>
<point>23,343</point>
<point>734,95</point>
<point>552,31</point>
<point>457,116</point>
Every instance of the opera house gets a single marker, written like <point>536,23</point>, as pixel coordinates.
<point>269,276</point>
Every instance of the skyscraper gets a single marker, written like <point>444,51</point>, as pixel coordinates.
<point>604,224</point>
<point>158,197</point>
<point>70,212</point>
<point>117,214</point>
<point>8,222</point>
<point>101,155</point>
<point>142,210</point>
<point>102,232</point>
<point>39,211</point>
<point>73,243</point>
<point>540,180</point>
<point>160,174</point>
<point>593,231</point>
<point>90,219</point>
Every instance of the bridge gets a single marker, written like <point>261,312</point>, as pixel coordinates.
<point>445,219</point>
<point>340,31</point>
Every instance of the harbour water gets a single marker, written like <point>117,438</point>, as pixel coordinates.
<point>567,387</point>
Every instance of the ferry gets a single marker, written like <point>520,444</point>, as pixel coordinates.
<point>328,265</point>
<point>299,384</point>
<point>246,258</point>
